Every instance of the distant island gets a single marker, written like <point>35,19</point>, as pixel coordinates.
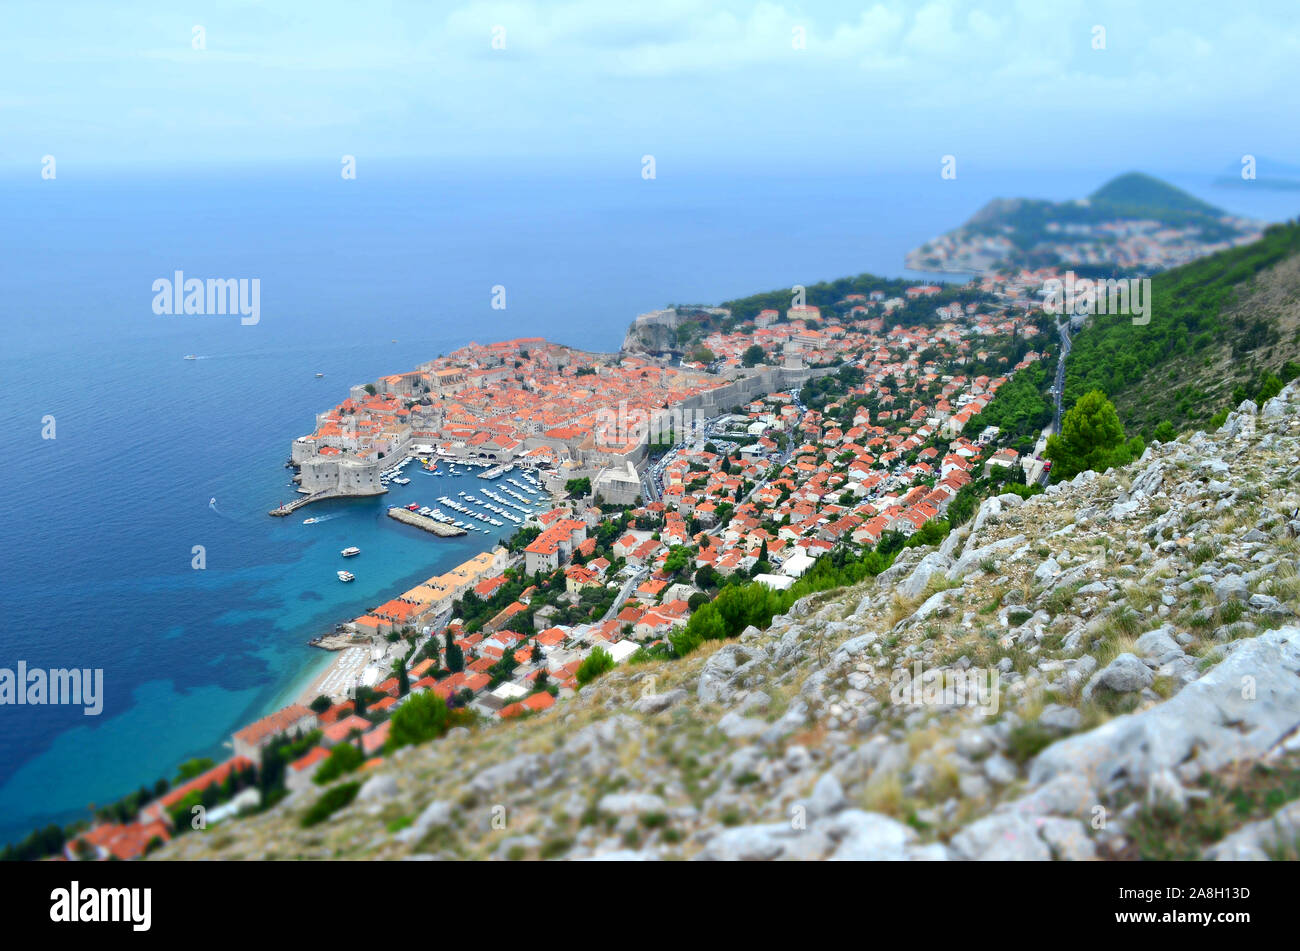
<point>1133,224</point>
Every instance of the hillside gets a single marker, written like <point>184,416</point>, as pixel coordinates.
<point>1133,224</point>
<point>1137,195</point>
<point>1135,633</point>
<point>1218,325</point>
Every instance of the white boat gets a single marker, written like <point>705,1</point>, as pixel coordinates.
<point>346,576</point>
<point>191,356</point>
<point>350,552</point>
<point>310,521</point>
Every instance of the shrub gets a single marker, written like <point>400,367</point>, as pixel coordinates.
<point>344,758</point>
<point>596,663</point>
<point>330,802</point>
<point>423,717</point>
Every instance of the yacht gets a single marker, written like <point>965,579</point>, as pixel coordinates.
<point>346,576</point>
<point>350,552</point>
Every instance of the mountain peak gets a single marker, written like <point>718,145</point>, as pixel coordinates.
<point>1139,190</point>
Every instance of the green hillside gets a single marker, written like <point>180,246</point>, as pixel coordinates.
<point>1222,328</point>
<point>1134,193</point>
<point>1034,226</point>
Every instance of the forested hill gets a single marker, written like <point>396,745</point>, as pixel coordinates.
<point>1223,328</point>
<point>1137,195</point>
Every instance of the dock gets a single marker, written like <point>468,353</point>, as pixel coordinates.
<point>440,529</point>
<point>288,508</point>
<point>497,472</point>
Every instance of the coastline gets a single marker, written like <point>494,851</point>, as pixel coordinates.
<point>338,673</point>
<point>342,672</point>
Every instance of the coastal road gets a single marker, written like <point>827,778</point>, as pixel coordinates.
<point>1064,331</point>
<point>628,587</point>
<point>1059,389</point>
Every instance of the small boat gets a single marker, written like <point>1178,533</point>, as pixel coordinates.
<point>191,356</point>
<point>310,521</point>
<point>319,375</point>
<point>413,507</point>
<point>347,576</point>
<point>350,552</point>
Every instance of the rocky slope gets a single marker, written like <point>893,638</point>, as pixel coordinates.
<point>1142,627</point>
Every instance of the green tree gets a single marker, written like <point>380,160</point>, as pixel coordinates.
<point>455,656</point>
<point>1165,432</point>
<point>1091,437</point>
<point>344,758</point>
<point>752,356</point>
<point>191,768</point>
<point>596,663</point>
<point>678,561</point>
<point>421,718</point>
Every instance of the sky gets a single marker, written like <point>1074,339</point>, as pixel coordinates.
<point>894,84</point>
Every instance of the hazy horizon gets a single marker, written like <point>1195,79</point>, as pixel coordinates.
<point>892,87</point>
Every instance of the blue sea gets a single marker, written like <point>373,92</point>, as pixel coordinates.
<point>358,279</point>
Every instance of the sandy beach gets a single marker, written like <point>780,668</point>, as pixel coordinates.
<point>341,675</point>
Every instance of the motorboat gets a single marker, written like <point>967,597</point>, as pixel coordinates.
<point>346,576</point>
<point>350,552</point>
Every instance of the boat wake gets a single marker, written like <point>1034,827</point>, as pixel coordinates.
<point>321,518</point>
<point>212,505</point>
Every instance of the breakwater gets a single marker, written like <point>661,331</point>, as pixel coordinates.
<point>429,525</point>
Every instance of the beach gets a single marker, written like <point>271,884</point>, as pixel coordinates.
<point>337,679</point>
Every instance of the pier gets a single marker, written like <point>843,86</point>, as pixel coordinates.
<point>428,524</point>
<point>288,508</point>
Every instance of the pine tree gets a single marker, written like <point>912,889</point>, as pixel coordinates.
<point>1091,437</point>
<point>455,656</point>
